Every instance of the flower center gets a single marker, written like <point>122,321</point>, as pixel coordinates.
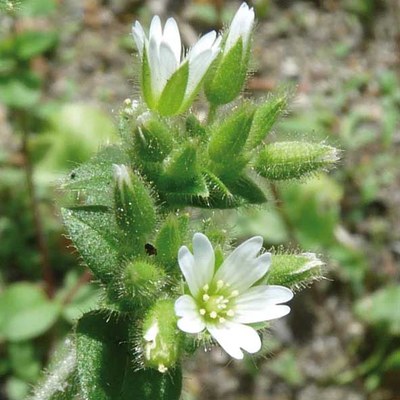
<point>216,302</point>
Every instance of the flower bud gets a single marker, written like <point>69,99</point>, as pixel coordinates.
<point>291,160</point>
<point>226,79</point>
<point>294,271</point>
<point>134,206</point>
<point>161,337</point>
<point>152,139</point>
<point>142,280</point>
<point>169,238</point>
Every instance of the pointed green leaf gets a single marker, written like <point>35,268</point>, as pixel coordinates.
<point>93,181</point>
<point>174,92</point>
<point>92,230</point>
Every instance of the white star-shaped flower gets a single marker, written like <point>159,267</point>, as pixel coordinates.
<point>226,300</point>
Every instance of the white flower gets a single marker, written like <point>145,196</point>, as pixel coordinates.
<point>163,50</point>
<point>224,301</point>
<point>241,27</point>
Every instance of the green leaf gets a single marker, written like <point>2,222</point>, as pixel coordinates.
<point>105,371</point>
<point>174,92</point>
<point>92,230</point>
<point>32,43</point>
<point>19,93</point>
<point>24,361</point>
<point>381,308</point>
<point>227,76</point>
<point>25,312</point>
<point>94,179</point>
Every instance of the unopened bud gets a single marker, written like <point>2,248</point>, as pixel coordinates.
<point>291,160</point>
<point>161,337</point>
<point>142,280</point>
<point>294,270</point>
<point>134,206</point>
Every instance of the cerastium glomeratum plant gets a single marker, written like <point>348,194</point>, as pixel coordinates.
<point>168,289</point>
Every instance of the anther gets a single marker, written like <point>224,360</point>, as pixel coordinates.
<point>234,293</point>
<point>206,297</point>
<point>213,314</point>
<point>220,284</point>
<point>206,287</point>
<point>230,313</point>
<point>202,311</point>
<point>221,320</point>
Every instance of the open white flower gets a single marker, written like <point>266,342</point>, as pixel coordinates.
<point>224,301</point>
<point>163,59</point>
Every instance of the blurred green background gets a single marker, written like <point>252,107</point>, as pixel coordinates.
<point>66,67</point>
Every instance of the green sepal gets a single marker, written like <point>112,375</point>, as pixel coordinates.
<point>182,174</point>
<point>161,337</point>
<point>174,92</point>
<point>245,187</point>
<point>264,118</point>
<point>153,140</point>
<point>134,207</point>
<point>219,195</point>
<point>92,230</point>
<point>170,237</point>
<point>291,160</point>
<point>227,76</point>
<point>146,81</point>
<point>295,271</point>
<point>105,370</point>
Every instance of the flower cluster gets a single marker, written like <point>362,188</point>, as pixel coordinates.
<point>226,300</point>
<point>171,77</point>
